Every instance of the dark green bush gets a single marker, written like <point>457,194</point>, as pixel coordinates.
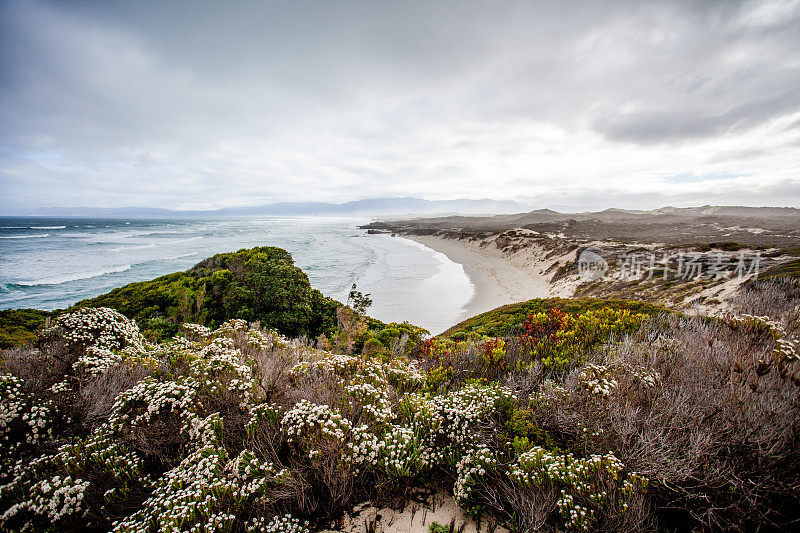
<point>258,284</point>
<point>18,326</point>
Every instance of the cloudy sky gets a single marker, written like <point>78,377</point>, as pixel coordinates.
<point>565,105</point>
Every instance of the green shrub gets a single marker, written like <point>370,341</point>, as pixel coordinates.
<point>19,326</point>
<point>505,319</point>
<point>436,527</point>
<point>561,340</point>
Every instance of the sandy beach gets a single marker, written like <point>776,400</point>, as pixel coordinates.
<point>515,275</point>
<point>498,278</point>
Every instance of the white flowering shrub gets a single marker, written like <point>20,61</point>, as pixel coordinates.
<point>375,401</point>
<point>263,413</point>
<point>197,330</point>
<point>37,419</point>
<point>602,380</point>
<point>206,492</point>
<point>397,452</point>
<point>444,431</point>
<point>396,372</point>
<point>102,453</point>
<point>220,370</point>
<point>24,420</point>
<point>648,378</point>
<point>787,349</point>
<point>186,496</point>
<point>785,354</point>
<point>335,364</point>
<point>585,484</point>
<point>225,447</point>
<point>12,403</point>
<point>458,413</point>
<point>254,474</point>
<point>61,387</point>
<point>100,327</point>
<point>205,432</point>
<point>187,443</point>
<point>139,406</point>
<point>96,360</point>
<point>470,469</point>
<point>309,426</point>
<point>597,379</point>
<point>755,321</point>
<point>260,340</point>
<point>58,497</point>
<point>235,325</point>
<point>277,524</point>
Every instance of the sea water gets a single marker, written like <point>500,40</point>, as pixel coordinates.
<point>51,263</point>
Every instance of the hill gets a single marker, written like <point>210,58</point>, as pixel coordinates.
<point>258,284</point>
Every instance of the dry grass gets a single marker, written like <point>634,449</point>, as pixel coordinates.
<point>777,299</point>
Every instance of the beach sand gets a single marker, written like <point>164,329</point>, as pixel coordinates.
<point>498,278</point>
<point>440,508</point>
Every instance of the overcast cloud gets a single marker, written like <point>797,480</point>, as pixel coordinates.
<point>565,105</point>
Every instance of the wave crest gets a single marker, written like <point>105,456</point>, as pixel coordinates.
<point>39,236</point>
<point>71,277</point>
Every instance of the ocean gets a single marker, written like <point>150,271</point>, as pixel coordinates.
<point>51,263</point>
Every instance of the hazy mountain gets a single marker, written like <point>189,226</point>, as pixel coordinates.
<point>384,207</point>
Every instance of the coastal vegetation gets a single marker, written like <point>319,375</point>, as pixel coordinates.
<point>259,284</point>
<point>18,327</point>
<point>582,415</point>
<point>790,269</point>
<point>505,319</point>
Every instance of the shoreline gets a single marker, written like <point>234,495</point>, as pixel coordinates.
<point>496,279</point>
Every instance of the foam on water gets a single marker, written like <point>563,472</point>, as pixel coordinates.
<point>40,236</point>
<point>73,277</point>
<point>406,280</point>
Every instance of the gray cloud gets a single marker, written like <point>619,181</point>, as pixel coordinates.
<point>683,125</point>
<point>205,103</point>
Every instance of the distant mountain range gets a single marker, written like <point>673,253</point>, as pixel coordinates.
<point>384,207</point>
<point>501,212</point>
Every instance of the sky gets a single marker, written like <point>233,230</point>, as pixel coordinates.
<point>563,105</point>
